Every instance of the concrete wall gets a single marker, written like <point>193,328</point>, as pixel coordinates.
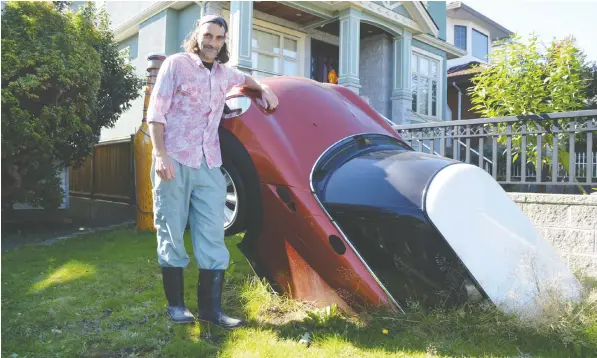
<point>568,223</point>
<point>376,59</point>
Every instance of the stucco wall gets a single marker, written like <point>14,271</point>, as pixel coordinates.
<point>376,58</point>
<point>120,11</point>
<point>568,223</point>
<point>469,40</point>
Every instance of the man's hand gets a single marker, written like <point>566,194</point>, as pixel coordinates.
<point>163,166</point>
<point>269,97</point>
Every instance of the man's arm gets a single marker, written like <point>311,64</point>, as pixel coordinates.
<point>271,100</point>
<point>159,103</point>
<point>163,165</point>
<point>156,132</point>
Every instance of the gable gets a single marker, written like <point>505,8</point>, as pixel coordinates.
<point>395,6</point>
<point>410,15</point>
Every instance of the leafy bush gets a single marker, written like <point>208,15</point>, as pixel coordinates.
<point>63,79</point>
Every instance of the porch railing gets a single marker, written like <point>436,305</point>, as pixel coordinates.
<point>511,148</point>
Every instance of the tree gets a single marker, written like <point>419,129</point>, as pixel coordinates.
<point>526,79</point>
<point>62,81</point>
<point>590,74</point>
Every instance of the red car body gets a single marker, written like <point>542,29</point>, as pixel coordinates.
<point>290,241</point>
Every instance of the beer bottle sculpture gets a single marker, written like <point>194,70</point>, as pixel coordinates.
<point>143,148</point>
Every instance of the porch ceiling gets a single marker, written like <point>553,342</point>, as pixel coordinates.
<point>286,12</point>
<point>367,30</point>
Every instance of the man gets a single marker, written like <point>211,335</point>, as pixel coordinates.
<point>184,113</point>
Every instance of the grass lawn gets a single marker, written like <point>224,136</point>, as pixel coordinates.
<point>101,296</point>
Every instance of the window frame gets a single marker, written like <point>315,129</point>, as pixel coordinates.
<point>486,59</point>
<point>302,50</point>
<point>465,36</point>
<point>281,56</point>
<point>439,95</point>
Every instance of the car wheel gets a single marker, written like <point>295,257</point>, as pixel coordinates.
<point>236,203</point>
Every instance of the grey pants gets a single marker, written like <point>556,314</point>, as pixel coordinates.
<point>198,195</point>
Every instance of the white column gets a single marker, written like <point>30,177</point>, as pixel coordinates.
<point>241,30</point>
<point>401,91</point>
<point>350,44</point>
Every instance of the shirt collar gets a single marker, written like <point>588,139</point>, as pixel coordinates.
<point>198,61</point>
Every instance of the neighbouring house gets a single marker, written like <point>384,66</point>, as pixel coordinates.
<point>475,33</point>
<point>393,54</point>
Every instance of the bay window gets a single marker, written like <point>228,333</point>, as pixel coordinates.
<point>425,85</point>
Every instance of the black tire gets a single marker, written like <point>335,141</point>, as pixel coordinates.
<point>238,164</point>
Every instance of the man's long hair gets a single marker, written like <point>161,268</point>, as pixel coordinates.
<point>191,43</point>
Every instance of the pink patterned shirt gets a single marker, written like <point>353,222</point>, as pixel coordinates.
<point>189,100</point>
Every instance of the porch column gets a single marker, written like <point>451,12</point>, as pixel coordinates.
<point>241,30</point>
<point>211,8</point>
<point>401,91</point>
<point>350,29</point>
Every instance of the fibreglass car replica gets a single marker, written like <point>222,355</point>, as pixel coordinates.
<point>338,209</point>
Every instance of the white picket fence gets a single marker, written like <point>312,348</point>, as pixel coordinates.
<point>581,168</point>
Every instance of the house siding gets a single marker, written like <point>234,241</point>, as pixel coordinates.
<point>186,23</point>
<point>437,10</point>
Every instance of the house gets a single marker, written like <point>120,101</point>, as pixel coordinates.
<point>475,33</point>
<point>393,54</point>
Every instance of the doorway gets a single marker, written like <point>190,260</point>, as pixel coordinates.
<point>325,58</point>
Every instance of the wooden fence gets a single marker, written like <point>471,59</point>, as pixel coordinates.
<point>108,174</point>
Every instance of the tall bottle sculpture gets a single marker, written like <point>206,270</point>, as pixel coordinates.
<point>143,148</point>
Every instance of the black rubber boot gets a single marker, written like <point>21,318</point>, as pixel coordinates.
<point>209,300</point>
<point>174,289</point>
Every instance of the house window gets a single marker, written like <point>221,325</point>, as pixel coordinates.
<point>425,76</point>
<point>460,36</point>
<point>480,45</point>
<point>274,54</point>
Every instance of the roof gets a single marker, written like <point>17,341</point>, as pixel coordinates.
<point>468,68</point>
<point>461,11</point>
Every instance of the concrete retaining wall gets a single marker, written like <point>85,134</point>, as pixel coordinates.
<point>568,223</point>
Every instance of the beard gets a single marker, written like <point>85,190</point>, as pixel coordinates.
<point>209,52</point>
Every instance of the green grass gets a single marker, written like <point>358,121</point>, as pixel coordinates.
<point>101,296</point>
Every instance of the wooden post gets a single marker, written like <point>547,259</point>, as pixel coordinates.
<point>133,200</point>
<point>92,179</point>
